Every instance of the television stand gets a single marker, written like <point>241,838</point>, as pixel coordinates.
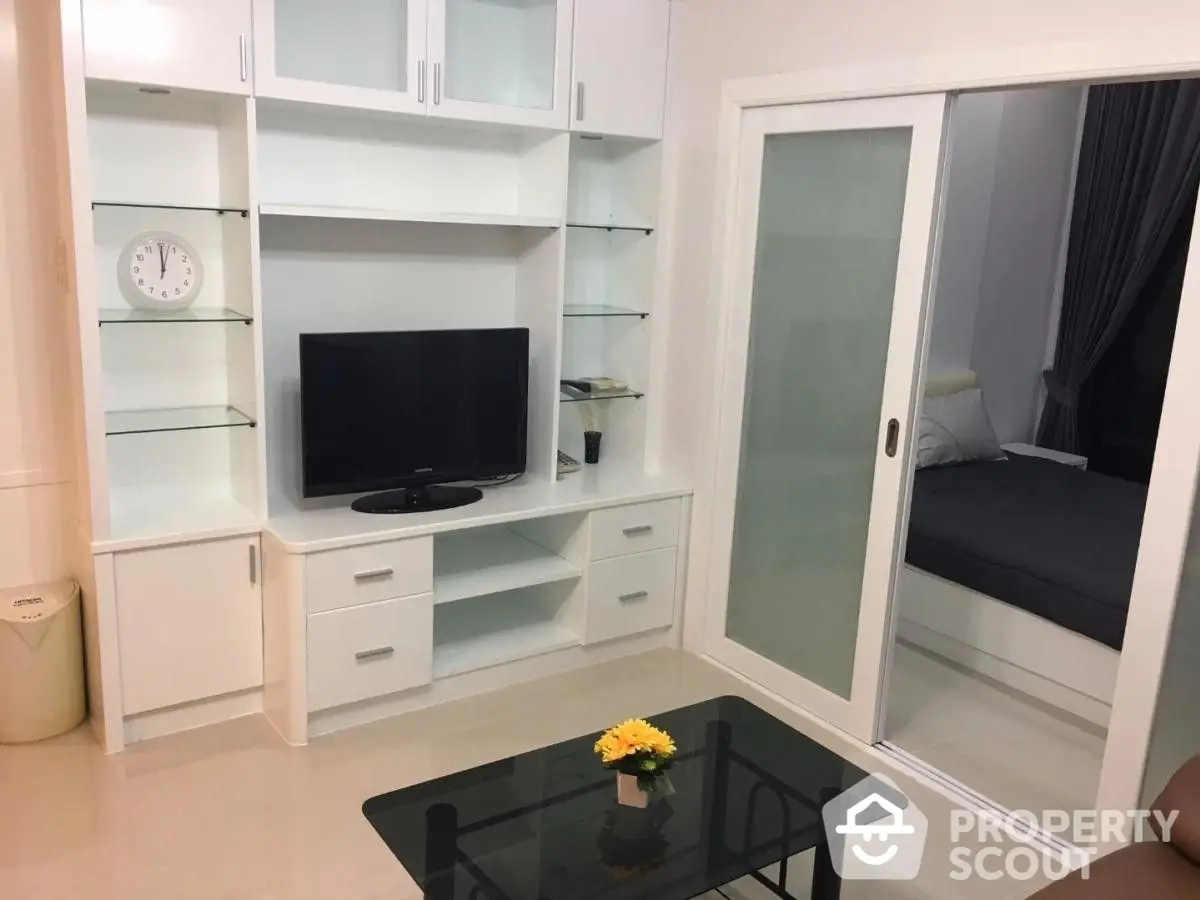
<point>417,500</point>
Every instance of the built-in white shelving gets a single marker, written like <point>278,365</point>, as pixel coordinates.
<point>488,631</point>
<point>492,561</point>
<point>396,215</point>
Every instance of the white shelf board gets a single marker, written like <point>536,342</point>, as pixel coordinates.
<point>400,215</point>
<point>491,561</point>
<point>149,518</point>
<point>496,648</point>
<point>309,531</point>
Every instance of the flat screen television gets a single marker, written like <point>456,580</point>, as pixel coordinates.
<point>404,412</point>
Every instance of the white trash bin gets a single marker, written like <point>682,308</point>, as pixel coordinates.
<point>41,662</point>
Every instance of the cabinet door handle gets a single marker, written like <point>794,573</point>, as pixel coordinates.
<point>253,564</point>
<point>579,102</point>
<point>635,530</point>
<point>377,653</point>
<point>636,595</point>
<point>437,84</point>
<point>244,58</point>
<point>893,437</point>
<point>374,574</point>
<point>420,81</point>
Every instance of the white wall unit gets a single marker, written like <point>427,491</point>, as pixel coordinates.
<point>401,165</point>
<point>190,620</point>
<point>529,571</point>
<point>501,60</point>
<point>367,54</point>
<point>620,67</point>
<point>170,43</point>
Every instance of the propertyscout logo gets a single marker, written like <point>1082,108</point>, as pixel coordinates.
<point>876,833</point>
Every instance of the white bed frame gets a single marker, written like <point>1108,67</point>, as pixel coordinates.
<point>1010,645</point>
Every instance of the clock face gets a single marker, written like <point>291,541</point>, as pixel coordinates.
<point>159,270</point>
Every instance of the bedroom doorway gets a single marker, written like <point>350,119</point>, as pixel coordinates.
<point>1067,218</point>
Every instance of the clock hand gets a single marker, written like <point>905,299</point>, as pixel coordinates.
<point>162,259</point>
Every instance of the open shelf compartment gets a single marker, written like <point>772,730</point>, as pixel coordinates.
<point>484,561</point>
<point>481,632</point>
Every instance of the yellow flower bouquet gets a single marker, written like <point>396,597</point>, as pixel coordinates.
<point>638,750</point>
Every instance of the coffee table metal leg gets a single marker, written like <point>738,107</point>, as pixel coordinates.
<point>826,883</point>
<point>717,740</point>
<point>441,851</point>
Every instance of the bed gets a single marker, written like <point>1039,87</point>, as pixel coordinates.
<point>1021,569</point>
<point>1055,541</point>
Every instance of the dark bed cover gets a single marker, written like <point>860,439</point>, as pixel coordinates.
<point>1053,540</point>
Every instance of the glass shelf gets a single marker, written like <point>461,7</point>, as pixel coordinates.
<point>597,310</point>
<point>611,227</point>
<point>194,314</point>
<point>568,395</point>
<point>219,210</point>
<point>185,418</point>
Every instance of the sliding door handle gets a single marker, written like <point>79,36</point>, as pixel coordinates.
<point>893,437</point>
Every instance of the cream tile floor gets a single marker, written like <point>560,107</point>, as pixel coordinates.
<point>1019,753</point>
<point>231,813</point>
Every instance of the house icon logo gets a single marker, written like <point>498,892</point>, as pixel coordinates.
<point>875,832</point>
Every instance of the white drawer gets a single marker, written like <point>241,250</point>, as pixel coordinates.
<point>338,579</point>
<point>635,528</point>
<point>630,595</point>
<point>369,651</point>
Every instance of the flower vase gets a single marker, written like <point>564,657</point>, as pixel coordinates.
<point>630,793</point>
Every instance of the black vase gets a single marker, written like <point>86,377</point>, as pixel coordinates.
<point>591,446</point>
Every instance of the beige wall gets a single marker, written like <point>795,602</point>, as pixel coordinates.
<point>34,456</point>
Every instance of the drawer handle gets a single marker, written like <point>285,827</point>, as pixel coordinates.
<point>636,595</point>
<point>374,574</point>
<point>377,653</point>
<point>635,530</point>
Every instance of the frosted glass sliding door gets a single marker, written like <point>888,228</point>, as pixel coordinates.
<point>833,231</point>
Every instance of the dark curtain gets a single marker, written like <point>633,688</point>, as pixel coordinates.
<point>1139,168</point>
<point>1121,405</point>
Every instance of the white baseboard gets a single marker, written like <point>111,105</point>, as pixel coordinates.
<point>187,716</point>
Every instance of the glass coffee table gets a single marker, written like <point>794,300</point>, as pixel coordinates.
<point>545,825</point>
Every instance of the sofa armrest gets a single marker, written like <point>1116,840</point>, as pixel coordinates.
<point>1182,793</point>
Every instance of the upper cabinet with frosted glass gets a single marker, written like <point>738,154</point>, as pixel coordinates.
<point>481,60</point>
<point>367,54</point>
<point>501,60</point>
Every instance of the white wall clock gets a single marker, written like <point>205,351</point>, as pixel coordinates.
<point>160,270</point>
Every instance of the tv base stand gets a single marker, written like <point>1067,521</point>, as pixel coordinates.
<point>417,500</point>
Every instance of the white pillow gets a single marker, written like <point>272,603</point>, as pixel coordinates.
<point>955,428</point>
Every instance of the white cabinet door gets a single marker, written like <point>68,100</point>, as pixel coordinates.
<point>365,54</point>
<point>620,67</point>
<point>189,622</point>
<point>172,43</point>
<point>501,61</point>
